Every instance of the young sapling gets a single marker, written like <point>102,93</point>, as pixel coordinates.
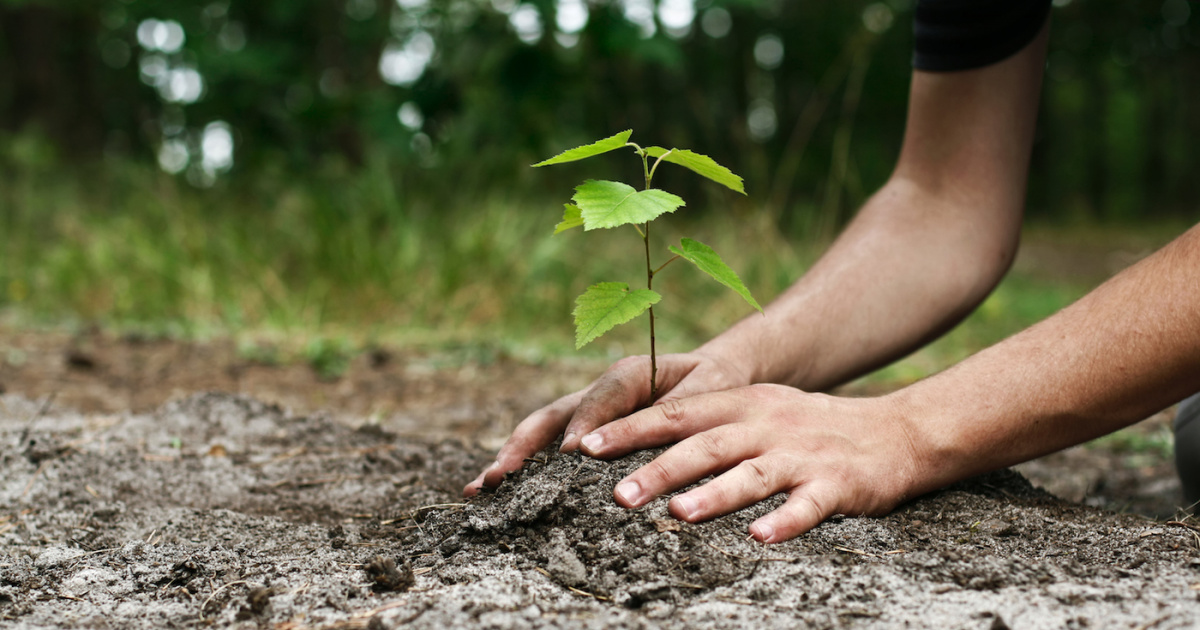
<point>607,204</point>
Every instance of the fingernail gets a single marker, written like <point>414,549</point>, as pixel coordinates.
<point>568,438</point>
<point>763,531</point>
<point>629,491</point>
<point>687,507</point>
<point>592,442</point>
<point>493,466</point>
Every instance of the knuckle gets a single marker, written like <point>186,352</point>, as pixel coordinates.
<point>763,391</point>
<point>814,507</point>
<point>708,445</point>
<point>759,477</point>
<point>671,411</point>
<point>563,406</point>
<point>660,474</point>
<point>617,432</point>
<point>604,390</point>
<point>626,366</point>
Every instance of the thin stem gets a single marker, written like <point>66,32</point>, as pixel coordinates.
<point>650,271</point>
<point>664,265</point>
<point>655,167</point>
<point>645,165</point>
<point>650,286</point>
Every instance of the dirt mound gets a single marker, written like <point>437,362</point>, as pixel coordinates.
<point>220,511</point>
<point>557,517</point>
<point>991,535</point>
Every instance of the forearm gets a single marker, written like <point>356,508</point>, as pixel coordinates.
<point>923,251</point>
<point>905,270</point>
<point>1123,352</point>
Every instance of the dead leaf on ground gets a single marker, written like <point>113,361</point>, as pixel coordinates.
<point>667,525</point>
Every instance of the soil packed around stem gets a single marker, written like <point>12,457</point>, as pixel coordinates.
<point>223,511</point>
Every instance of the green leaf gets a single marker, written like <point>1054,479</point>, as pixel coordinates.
<point>701,164</point>
<point>605,204</point>
<point>710,263</point>
<point>607,305</point>
<point>571,218</point>
<point>588,150</point>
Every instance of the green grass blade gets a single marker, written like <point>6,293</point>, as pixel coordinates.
<point>605,204</point>
<point>607,305</point>
<point>589,150</point>
<point>701,164</point>
<point>572,218</point>
<point>710,263</point>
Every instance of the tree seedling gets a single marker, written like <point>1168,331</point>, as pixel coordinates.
<point>606,204</point>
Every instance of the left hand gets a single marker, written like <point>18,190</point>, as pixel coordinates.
<point>621,390</point>
<point>853,456</point>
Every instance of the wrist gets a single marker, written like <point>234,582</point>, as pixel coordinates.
<point>934,448</point>
<point>763,355</point>
<point>739,363</point>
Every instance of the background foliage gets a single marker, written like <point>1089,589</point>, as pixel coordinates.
<point>806,98</point>
<point>306,163</point>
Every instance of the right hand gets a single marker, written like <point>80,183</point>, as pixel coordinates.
<point>620,391</point>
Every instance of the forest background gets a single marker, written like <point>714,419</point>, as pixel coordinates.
<point>318,177</point>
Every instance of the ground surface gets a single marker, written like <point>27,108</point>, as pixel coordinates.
<point>126,501</point>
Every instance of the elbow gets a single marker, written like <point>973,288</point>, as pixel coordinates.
<point>981,254</point>
<point>975,235</point>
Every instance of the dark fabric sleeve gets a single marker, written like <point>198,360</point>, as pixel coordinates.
<point>966,34</point>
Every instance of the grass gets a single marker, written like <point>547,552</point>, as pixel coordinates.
<point>335,262</point>
<point>1139,446</point>
<point>343,260</point>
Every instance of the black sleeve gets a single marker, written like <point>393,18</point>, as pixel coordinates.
<point>966,34</point>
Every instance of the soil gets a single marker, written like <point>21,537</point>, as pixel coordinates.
<point>226,510</point>
<point>475,393</point>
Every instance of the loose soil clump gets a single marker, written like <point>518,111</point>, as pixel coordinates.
<point>221,511</point>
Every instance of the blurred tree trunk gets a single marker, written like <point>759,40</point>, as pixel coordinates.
<point>48,74</point>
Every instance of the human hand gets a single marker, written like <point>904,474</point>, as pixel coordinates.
<point>621,390</point>
<point>831,455</point>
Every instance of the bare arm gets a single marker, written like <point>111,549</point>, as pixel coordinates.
<point>1123,352</point>
<point>1128,349</point>
<point>924,251</point>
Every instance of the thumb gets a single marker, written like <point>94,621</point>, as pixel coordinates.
<point>688,387</point>
<point>700,379</point>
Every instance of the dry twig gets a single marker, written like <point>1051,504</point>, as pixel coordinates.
<point>311,483</point>
<point>214,594</point>
<point>1194,528</point>
<point>36,474</point>
<point>587,594</point>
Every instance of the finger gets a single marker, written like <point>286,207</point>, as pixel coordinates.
<point>473,488</point>
<point>625,386</point>
<point>694,458</point>
<point>533,434</point>
<point>808,506</point>
<point>623,389</point>
<point>751,481</point>
<point>669,422</point>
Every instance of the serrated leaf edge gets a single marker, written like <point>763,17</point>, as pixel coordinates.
<point>589,225</point>
<point>744,291</point>
<point>654,298</point>
<point>624,138</point>
<point>670,156</point>
<point>570,220</point>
